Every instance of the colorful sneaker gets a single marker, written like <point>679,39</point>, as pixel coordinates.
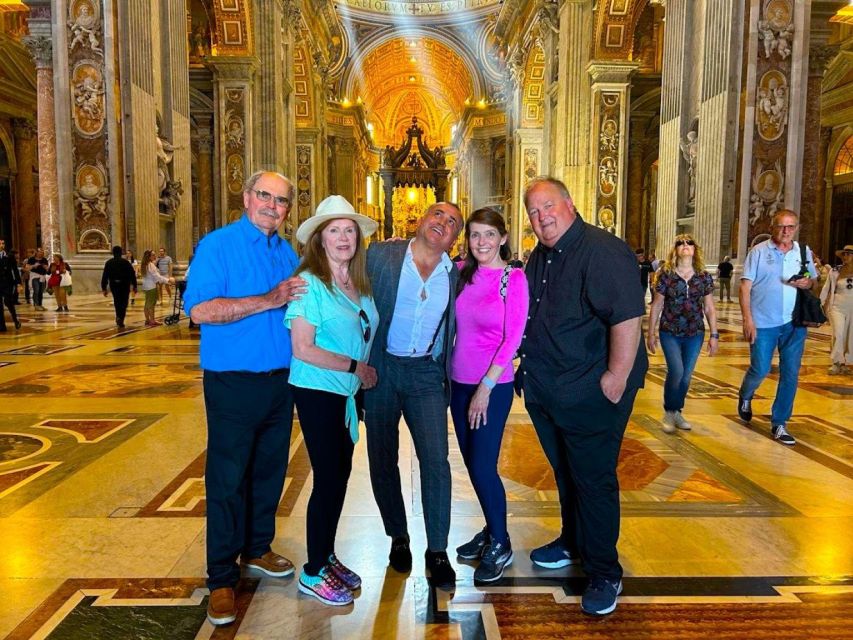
<point>554,555</point>
<point>669,421</point>
<point>600,596</point>
<point>326,587</point>
<point>473,549</point>
<point>495,559</point>
<point>350,578</point>
<point>781,434</point>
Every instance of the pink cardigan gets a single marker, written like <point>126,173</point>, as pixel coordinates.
<point>487,330</point>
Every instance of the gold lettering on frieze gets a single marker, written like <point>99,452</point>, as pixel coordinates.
<point>417,8</point>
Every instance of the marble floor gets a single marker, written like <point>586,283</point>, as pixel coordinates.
<point>725,533</point>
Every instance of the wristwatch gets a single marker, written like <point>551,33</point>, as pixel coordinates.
<point>715,335</point>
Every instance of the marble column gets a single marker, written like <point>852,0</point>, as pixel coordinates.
<point>25,155</point>
<point>671,170</point>
<point>820,231</point>
<point>571,160</point>
<point>717,113</point>
<point>527,164</point>
<point>270,140</point>
<point>41,48</point>
<point>635,230</point>
<point>206,218</point>
<point>233,78</point>
<point>611,97</point>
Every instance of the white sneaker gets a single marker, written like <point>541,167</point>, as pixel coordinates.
<point>836,369</point>
<point>669,421</point>
<point>681,423</point>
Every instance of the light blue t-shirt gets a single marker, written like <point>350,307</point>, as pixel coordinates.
<point>339,328</point>
<point>771,299</point>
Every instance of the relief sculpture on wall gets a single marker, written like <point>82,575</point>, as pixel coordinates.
<point>772,105</point>
<point>776,28</point>
<point>88,99</point>
<point>85,25</point>
<point>768,189</point>
<point>90,193</point>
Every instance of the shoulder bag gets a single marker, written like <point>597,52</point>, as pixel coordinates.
<point>807,309</point>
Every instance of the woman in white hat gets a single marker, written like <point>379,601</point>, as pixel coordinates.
<point>837,298</point>
<point>331,329</point>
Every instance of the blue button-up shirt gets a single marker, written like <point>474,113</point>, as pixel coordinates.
<point>237,261</point>
<point>419,308</point>
<point>771,300</point>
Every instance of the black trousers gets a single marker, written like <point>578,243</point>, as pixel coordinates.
<point>322,418</point>
<point>7,298</point>
<point>249,419</point>
<point>121,298</point>
<point>582,443</point>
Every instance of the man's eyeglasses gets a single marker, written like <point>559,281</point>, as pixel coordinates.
<point>786,227</point>
<point>365,324</point>
<point>266,196</point>
<point>689,243</point>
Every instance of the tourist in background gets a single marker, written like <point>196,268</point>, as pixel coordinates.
<point>491,311</point>
<point>38,266</point>
<point>57,270</point>
<point>837,298</point>
<point>331,330</point>
<point>683,298</point>
<point>165,264</point>
<point>151,277</point>
<point>10,278</point>
<point>724,275</point>
<point>120,277</point>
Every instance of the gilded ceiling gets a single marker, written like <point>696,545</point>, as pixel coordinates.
<point>408,77</point>
<point>417,7</point>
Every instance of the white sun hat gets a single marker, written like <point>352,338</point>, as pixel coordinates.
<point>334,208</point>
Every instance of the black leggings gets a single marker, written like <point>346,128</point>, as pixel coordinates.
<point>322,418</point>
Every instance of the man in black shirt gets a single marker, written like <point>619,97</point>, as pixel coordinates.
<point>37,265</point>
<point>119,274</point>
<point>10,278</point>
<point>724,275</point>
<point>582,362</point>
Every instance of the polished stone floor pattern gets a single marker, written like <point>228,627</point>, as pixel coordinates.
<point>725,533</point>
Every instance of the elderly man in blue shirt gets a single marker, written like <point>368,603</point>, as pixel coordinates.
<point>768,293</point>
<point>242,281</point>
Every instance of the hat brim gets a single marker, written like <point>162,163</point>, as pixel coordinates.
<point>367,225</point>
<point>840,253</point>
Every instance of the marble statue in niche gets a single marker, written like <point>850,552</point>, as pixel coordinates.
<point>90,194</point>
<point>690,151</point>
<point>88,95</point>
<point>169,191</point>
<point>199,41</point>
<point>85,25</point>
<point>772,105</point>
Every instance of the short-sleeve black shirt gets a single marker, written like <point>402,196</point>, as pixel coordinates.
<point>579,288</point>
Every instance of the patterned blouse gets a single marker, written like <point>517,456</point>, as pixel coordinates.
<point>682,313</point>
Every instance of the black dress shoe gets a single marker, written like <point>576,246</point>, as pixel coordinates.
<point>441,572</point>
<point>744,409</point>
<point>17,324</point>
<point>400,556</point>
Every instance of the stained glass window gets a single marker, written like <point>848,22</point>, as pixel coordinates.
<point>844,159</point>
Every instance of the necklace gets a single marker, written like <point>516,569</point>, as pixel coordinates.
<point>345,284</point>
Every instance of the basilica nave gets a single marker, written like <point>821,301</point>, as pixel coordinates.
<point>135,123</point>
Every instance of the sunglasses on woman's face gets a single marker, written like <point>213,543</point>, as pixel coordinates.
<point>689,243</point>
<point>365,323</point>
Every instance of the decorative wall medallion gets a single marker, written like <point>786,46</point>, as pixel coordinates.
<point>88,99</point>
<point>772,105</point>
<point>776,29</point>
<point>609,135</point>
<point>607,219</point>
<point>531,165</point>
<point>608,174</point>
<point>768,189</point>
<point>234,130</point>
<point>303,181</point>
<point>85,25</point>
<point>90,193</point>
<point>234,173</point>
<point>93,240</point>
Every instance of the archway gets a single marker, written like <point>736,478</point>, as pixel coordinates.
<point>841,212</point>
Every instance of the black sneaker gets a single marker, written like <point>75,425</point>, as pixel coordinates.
<point>495,559</point>
<point>441,573</point>
<point>473,549</point>
<point>400,556</point>
<point>600,596</point>
<point>781,434</point>
<point>744,409</point>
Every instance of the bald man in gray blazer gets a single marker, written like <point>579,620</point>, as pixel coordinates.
<point>414,287</point>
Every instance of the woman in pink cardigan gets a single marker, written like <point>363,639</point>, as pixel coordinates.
<point>491,312</point>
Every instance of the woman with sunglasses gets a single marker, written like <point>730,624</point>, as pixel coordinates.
<point>837,298</point>
<point>491,311</point>
<point>331,331</point>
<point>683,298</point>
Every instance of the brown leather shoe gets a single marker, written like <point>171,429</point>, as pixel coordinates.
<point>220,606</point>
<point>272,564</point>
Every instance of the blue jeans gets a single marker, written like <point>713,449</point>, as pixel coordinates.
<point>481,448</point>
<point>790,341</point>
<point>681,354</point>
